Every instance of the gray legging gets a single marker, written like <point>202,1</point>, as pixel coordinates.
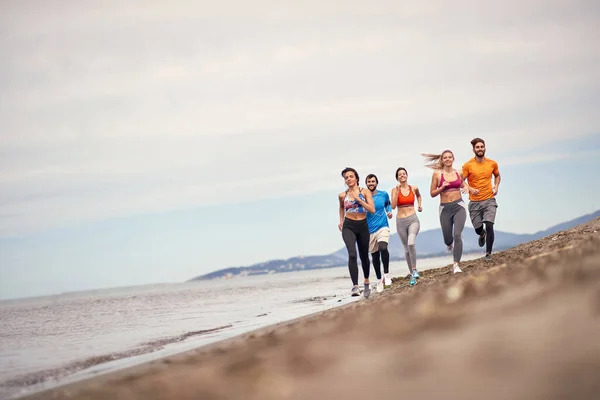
<point>453,214</point>
<point>407,229</point>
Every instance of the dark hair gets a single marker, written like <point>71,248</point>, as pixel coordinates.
<point>349,169</point>
<point>372,176</point>
<point>477,140</point>
<point>400,169</point>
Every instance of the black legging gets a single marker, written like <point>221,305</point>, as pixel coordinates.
<point>357,233</point>
<point>489,237</point>
<point>385,258</point>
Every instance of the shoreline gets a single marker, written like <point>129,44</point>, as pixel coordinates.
<point>140,366</point>
<point>291,359</point>
<point>167,346</point>
<point>92,366</point>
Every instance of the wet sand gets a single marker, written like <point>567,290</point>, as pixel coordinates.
<point>524,326</point>
<point>74,367</point>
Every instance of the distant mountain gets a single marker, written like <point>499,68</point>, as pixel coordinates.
<point>429,244</point>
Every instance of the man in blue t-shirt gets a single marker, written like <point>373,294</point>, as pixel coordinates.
<point>380,232</point>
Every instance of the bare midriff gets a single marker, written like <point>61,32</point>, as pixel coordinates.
<point>356,216</point>
<point>449,197</point>
<point>405,210</point>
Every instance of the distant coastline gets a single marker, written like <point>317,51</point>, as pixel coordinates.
<point>291,265</point>
<point>429,245</point>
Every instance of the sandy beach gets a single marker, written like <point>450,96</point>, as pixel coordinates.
<point>523,326</point>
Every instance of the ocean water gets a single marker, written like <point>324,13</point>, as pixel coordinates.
<point>53,340</point>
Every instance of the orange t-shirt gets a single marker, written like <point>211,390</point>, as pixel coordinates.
<point>479,176</point>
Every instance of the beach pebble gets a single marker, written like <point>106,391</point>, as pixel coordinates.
<point>454,293</point>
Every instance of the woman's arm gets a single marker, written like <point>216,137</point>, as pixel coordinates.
<point>464,188</point>
<point>434,190</point>
<point>419,198</point>
<point>394,199</point>
<point>368,204</point>
<point>342,211</point>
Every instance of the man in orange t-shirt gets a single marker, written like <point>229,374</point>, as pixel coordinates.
<point>478,171</point>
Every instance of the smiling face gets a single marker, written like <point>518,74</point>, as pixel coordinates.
<point>402,176</point>
<point>479,149</point>
<point>372,184</point>
<point>447,159</point>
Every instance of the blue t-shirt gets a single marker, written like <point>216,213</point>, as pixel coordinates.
<point>379,219</point>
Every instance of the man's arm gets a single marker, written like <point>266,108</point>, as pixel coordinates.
<point>388,204</point>
<point>464,188</point>
<point>464,173</point>
<point>368,204</point>
<point>465,178</point>
<point>497,179</point>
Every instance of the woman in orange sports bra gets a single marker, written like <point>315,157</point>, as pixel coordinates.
<point>353,205</point>
<point>447,183</point>
<point>407,223</point>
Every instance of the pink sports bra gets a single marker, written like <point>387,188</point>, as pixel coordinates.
<point>454,185</point>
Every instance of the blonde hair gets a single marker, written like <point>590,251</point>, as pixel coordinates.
<point>434,161</point>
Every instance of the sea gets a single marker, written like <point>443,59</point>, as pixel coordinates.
<point>54,340</point>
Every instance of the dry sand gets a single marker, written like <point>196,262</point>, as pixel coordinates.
<point>523,326</point>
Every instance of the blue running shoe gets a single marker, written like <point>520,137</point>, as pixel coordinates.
<point>416,273</point>
<point>413,280</point>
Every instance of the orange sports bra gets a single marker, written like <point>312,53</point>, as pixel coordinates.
<point>406,200</point>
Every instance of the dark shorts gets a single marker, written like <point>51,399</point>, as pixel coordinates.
<point>482,211</point>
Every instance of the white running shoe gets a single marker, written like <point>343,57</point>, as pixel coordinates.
<point>456,269</point>
<point>387,280</point>
<point>380,286</point>
<point>450,248</point>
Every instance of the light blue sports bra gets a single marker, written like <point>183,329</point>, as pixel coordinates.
<point>352,206</point>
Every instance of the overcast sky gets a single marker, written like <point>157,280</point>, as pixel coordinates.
<point>153,141</point>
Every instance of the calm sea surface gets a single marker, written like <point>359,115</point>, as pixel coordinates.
<point>53,340</point>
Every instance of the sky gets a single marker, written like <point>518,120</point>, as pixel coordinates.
<point>154,141</point>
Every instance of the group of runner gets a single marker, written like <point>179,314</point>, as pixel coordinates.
<point>364,213</point>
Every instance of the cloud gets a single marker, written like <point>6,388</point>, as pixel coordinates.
<point>108,109</point>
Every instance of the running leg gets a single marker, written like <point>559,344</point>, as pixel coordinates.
<point>459,219</point>
<point>385,258</point>
<point>446,224</point>
<point>403,233</point>
<point>350,241</point>
<point>362,239</point>
<point>489,241</point>
<point>376,264</point>
<point>413,230</point>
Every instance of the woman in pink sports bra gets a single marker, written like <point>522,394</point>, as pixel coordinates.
<point>447,183</point>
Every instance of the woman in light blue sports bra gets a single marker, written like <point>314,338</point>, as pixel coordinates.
<point>354,204</point>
